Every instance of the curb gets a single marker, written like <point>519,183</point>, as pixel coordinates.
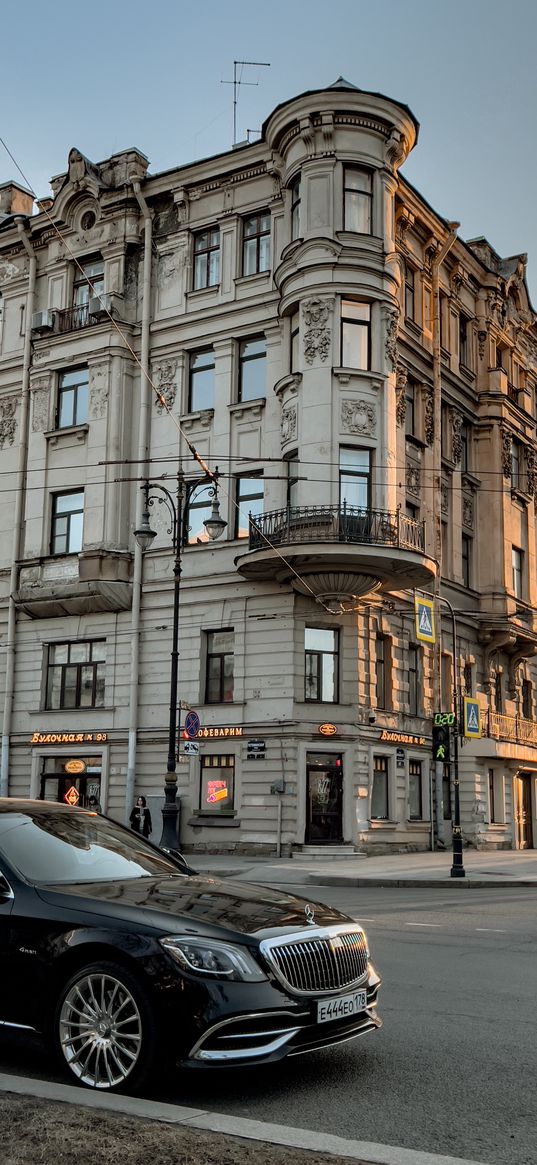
<point>468,883</point>
<point>362,1152</point>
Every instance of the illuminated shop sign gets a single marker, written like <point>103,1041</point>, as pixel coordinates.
<point>204,733</point>
<point>68,738</point>
<point>327,729</point>
<point>72,796</point>
<point>400,737</point>
<point>75,766</point>
<point>216,791</point>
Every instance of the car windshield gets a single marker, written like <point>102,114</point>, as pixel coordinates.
<point>74,846</point>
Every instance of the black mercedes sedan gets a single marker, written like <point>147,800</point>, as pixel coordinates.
<point>121,959</point>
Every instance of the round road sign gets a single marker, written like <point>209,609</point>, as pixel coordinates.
<point>192,724</point>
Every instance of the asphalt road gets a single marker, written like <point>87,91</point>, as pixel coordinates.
<point>452,1071</point>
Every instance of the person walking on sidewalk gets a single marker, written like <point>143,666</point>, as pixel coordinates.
<point>140,818</point>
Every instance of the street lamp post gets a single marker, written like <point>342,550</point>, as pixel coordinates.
<point>214,525</point>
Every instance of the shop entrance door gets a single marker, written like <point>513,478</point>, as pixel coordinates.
<point>523,811</point>
<point>72,781</point>
<point>324,818</point>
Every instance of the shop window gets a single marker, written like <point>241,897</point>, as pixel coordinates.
<point>321,665</point>
<point>217,784</point>
<point>219,667</point>
<point>380,790</point>
<point>75,674</point>
<point>415,790</point>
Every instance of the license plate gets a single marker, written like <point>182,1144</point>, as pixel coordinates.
<point>330,1009</point>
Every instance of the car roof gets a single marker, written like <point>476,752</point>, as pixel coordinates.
<point>27,804</point>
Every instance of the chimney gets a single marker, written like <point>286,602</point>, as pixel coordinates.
<point>15,199</point>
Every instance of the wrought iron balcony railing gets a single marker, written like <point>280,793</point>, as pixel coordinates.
<point>74,318</point>
<point>514,728</point>
<point>347,524</point>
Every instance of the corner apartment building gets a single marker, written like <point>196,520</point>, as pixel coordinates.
<point>364,380</point>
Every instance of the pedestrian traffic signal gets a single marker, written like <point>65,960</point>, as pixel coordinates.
<point>440,742</point>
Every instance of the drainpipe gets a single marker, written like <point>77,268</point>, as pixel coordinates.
<point>20,498</point>
<point>143,455</point>
<point>436,264</point>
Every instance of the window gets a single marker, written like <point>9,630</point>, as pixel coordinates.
<point>198,509</point>
<point>381,671</point>
<point>517,558</point>
<point>415,791</point>
<point>355,478</point>
<point>410,293</point>
<point>252,369</point>
<point>515,465</point>
<point>249,496</point>
<point>219,674</point>
<point>464,340</point>
<point>466,553</point>
<point>444,322</point>
<point>292,479</point>
<point>207,259</point>
<point>468,680</point>
<point>413,698</point>
<point>295,208</point>
<point>67,522</point>
<point>357,201</point>
<point>412,511</point>
<point>410,408</point>
<point>446,792</point>
<point>355,334</point>
<point>465,447</point>
<point>256,244</point>
<point>498,692</point>
<point>427,308</point>
<point>379,791</point>
<point>201,381</point>
<point>295,342</point>
<point>75,675</point>
<point>321,648</point>
<point>527,700</point>
<point>217,785</point>
<point>72,398</point>
<point>92,272</point>
<point>446,680</point>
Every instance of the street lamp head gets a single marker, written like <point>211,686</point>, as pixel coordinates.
<point>145,535</point>
<point>214,524</point>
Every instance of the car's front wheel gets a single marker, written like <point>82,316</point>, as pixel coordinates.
<point>104,1029</point>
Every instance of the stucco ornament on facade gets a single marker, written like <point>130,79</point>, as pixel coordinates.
<point>429,415</point>
<point>444,496</point>
<point>531,463</point>
<point>98,391</point>
<point>401,378</point>
<point>8,424</point>
<point>40,387</point>
<point>507,438</point>
<point>359,417</point>
<point>9,271</point>
<point>392,324</point>
<point>456,435</point>
<point>413,479</point>
<point>289,423</point>
<point>163,375</point>
<point>468,511</point>
<point>317,332</point>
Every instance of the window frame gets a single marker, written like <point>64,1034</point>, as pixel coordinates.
<point>212,248</point>
<point>466,559</point>
<point>221,657</point>
<point>311,653</point>
<point>383,770</point>
<point>410,293</point>
<point>69,514</point>
<point>256,237</point>
<point>241,497</point>
<point>517,571</point>
<point>360,327</point>
<point>415,770</point>
<point>296,200</point>
<point>360,199</point>
<point>82,292</point>
<point>244,361</point>
<point>63,389</point>
<point>381,672</point>
<point>193,407</point>
<point>413,683</point>
<point>226,761</point>
<point>78,666</point>
<point>355,477</point>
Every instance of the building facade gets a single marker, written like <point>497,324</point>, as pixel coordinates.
<point>294,313</point>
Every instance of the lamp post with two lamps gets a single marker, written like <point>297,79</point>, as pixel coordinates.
<point>215,526</point>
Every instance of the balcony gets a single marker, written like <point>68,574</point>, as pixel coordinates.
<point>337,551</point>
<point>512,728</point>
<point>74,318</point>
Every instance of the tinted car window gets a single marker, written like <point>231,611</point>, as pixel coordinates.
<point>76,847</point>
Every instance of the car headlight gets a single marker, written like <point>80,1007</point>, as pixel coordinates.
<point>211,957</point>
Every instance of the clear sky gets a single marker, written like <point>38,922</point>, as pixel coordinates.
<point>114,73</point>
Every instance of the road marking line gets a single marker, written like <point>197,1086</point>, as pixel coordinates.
<point>439,924</point>
<point>490,930</point>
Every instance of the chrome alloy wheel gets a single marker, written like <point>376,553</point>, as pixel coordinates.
<point>100,1030</point>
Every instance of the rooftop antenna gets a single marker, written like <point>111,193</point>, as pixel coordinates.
<point>236,82</point>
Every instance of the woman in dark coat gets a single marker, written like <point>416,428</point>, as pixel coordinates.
<point>140,818</point>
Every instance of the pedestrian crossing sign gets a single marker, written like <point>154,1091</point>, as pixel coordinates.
<point>424,615</point>
<point>471,717</point>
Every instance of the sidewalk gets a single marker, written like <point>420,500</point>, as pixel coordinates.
<point>498,868</point>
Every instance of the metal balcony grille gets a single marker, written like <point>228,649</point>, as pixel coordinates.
<point>74,318</point>
<point>320,964</point>
<point>514,728</point>
<point>349,524</point>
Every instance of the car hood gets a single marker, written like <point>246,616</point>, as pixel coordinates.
<point>202,905</point>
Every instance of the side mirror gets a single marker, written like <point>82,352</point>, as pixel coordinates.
<point>6,893</point>
<point>177,857</point>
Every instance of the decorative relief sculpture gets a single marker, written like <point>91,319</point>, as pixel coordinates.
<point>507,439</point>
<point>163,375</point>
<point>468,511</point>
<point>98,391</point>
<point>358,416</point>
<point>413,479</point>
<point>289,423</point>
<point>530,471</point>
<point>444,496</point>
<point>317,333</point>
<point>401,377</point>
<point>395,150</point>
<point>40,389</point>
<point>392,323</point>
<point>8,271</point>
<point>456,435</point>
<point>8,424</point>
<point>481,341</point>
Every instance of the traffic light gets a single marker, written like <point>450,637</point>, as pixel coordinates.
<point>440,742</point>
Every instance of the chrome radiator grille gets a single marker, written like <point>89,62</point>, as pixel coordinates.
<point>322,963</point>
